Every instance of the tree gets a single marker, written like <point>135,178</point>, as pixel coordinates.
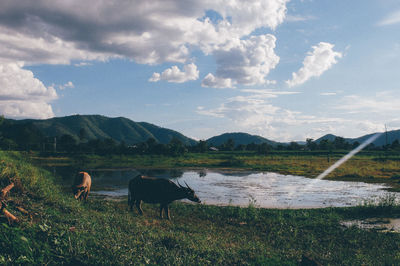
<point>67,143</point>
<point>202,146</point>
<point>325,145</point>
<point>176,147</point>
<point>240,147</point>
<point>311,145</point>
<point>264,148</point>
<point>395,145</point>
<point>355,144</point>
<point>340,143</point>
<point>151,143</point>
<point>229,145</point>
<point>82,134</point>
<point>251,146</point>
<point>109,146</point>
<point>294,146</point>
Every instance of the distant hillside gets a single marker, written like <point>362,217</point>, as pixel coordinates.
<point>380,141</point>
<point>239,138</point>
<point>102,127</point>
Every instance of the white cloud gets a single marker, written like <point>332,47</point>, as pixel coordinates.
<point>23,95</point>
<point>265,94</point>
<point>320,59</point>
<point>15,45</point>
<point>386,103</point>
<point>245,62</point>
<point>60,31</point>
<point>256,114</point>
<point>211,81</point>
<point>328,93</point>
<point>147,32</point>
<point>174,74</point>
<point>297,18</point>
<point>69,84</point>
<point>393,18</point>
<point>82,64</point>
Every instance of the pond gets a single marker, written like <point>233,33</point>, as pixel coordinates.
<point>239,188</point>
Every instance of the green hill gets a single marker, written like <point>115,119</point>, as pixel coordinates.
<point>102,127</point>
<point>385,138</point>
<point>239,138</point>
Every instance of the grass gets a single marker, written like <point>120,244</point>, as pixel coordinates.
<point>372,167</point>
<point>61,230</point>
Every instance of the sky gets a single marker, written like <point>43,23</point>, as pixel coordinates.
<point>286,70</point>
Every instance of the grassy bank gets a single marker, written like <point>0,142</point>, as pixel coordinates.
<point>372,167</point>
<point>60,230</point>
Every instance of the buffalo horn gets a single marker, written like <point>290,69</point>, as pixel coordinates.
<point>178,183</point>
<point>188,185</point>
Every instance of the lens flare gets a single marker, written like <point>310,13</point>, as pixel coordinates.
<point>349,155</point>
<point>305,189</point>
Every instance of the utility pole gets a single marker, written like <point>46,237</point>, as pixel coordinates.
<point>55,144</point>
<point>386,144</point>
<point>386,136</point>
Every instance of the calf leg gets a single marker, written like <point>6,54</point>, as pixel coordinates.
<point>139,207</point>
<point>86,195</point>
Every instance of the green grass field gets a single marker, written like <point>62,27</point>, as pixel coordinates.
<point>61,230</point>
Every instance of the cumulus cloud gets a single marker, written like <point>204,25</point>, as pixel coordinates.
<point>147,32</point>
<point>211,81</point>
<point>23,95</point>
<point>174,74</point>
<point>69,84</point>
<point>161,31</point>
<point>245,62</point>
<point>319,60</point>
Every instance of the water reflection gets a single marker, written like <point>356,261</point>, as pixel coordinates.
<point>269,190</point>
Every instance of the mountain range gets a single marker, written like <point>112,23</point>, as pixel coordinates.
<point>102,127</point>
<point>123,129</point>
<point>385,138</point>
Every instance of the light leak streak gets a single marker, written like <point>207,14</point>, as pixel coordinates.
<point>305,188</point>
<point>348,156</point>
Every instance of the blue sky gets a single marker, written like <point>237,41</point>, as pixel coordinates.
<point>285,70</point>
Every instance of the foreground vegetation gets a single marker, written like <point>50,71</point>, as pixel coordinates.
<point>60,230</point>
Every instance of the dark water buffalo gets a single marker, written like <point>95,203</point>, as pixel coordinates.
<point>81,186</point>
<point>157,190</point>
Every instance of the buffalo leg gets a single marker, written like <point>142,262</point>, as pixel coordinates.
<point>139,207</point>
<point>166,210</point>
<point>161,210</point>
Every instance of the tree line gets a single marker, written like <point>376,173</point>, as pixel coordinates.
<point>28,137</point>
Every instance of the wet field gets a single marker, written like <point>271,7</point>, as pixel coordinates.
<point>241,188</point>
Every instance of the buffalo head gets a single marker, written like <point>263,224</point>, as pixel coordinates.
<point>189,193</point>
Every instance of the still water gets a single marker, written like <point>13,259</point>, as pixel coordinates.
<point>263,189</point>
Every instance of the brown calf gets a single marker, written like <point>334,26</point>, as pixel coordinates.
<point>81,186</point>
